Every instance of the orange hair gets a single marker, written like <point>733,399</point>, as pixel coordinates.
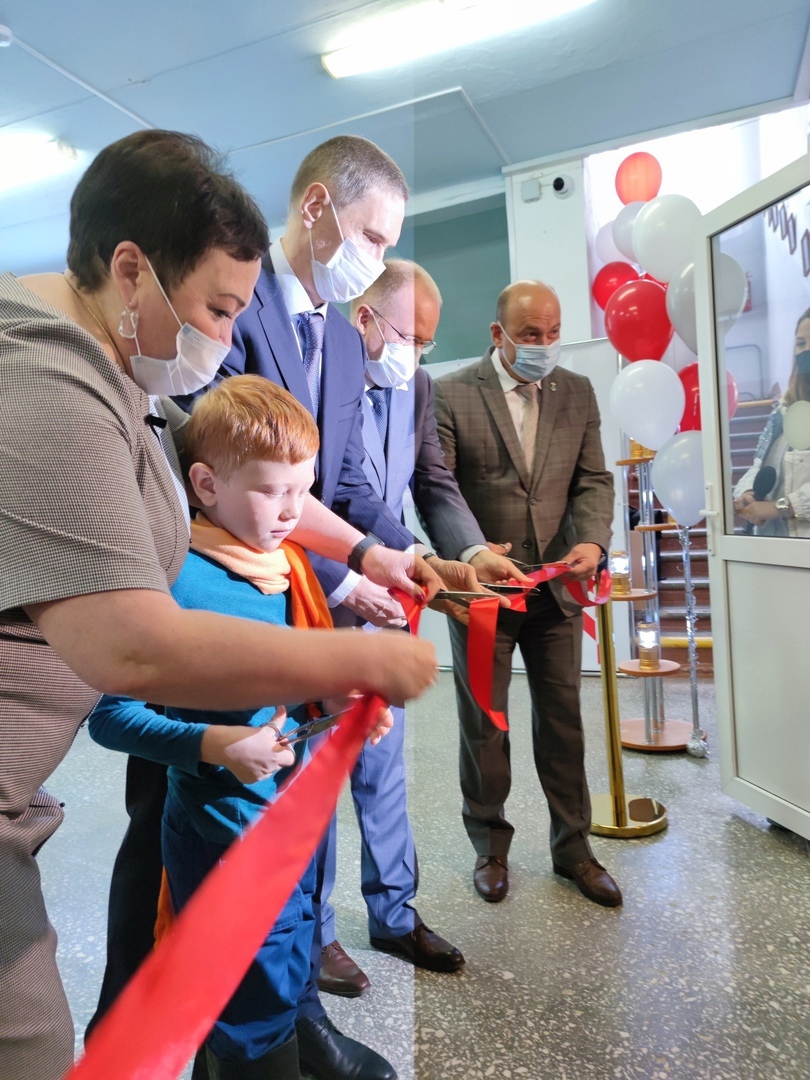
<point>248,418</point>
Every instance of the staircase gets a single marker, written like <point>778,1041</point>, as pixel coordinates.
<point>745,428</point>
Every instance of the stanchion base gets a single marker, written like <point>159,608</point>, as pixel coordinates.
<point>674,736</point>
<point>644,816</point>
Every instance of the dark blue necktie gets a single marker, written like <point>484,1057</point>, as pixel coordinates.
<point>312,325</point>
<point>379,408</point>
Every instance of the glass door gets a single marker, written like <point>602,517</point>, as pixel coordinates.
<point>757,471</point>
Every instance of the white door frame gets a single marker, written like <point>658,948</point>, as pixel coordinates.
<point>726,550</point>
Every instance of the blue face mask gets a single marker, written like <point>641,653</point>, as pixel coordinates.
<point>534,362</point>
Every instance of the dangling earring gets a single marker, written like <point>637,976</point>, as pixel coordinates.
<point>128,323</point>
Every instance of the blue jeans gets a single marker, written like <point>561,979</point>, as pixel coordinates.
<point>261,1014</point>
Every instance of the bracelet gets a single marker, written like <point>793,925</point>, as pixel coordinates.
<point>358,551</point>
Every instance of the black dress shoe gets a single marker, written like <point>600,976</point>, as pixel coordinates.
<point>328,1054</point>
<point>339,974</point>
<point>422,948</point>
<point>491,877</point>
<point>281,1063</point>
<point>593,881</point>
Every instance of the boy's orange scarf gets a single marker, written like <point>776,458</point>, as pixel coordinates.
<point>271,572</point>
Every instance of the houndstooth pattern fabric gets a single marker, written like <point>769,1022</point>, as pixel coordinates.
<point>87,504</point>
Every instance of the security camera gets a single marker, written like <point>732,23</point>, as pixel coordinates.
<point>562,186</point>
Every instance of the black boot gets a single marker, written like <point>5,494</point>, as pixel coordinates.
<point>280,1063</point>
<point>200,1070</point>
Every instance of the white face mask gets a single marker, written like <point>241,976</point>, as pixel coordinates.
<point>197,362</point>
<point>348,273</point>
<point>396,365</point>
<point>534,362</point>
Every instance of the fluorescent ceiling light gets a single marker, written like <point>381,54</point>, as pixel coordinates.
<point>435,26</point>
<point>28,157</point>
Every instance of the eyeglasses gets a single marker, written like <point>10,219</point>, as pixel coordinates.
<point>424,346</point>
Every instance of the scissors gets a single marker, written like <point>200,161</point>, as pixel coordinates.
<point>312,727</point>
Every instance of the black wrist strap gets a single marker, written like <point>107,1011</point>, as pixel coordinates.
<point>358,551</point>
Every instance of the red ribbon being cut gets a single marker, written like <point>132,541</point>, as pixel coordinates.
<point>483,622</point>
<point>170,1005</point>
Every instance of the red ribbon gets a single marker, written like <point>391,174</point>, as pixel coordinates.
<point>483,622</point>
<point>171,1004</point>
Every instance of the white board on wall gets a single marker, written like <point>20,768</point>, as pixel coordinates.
<point>598,361</point>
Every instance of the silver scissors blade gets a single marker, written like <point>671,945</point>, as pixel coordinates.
<point>312,727</point>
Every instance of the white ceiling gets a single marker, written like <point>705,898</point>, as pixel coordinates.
<point>246,76</point>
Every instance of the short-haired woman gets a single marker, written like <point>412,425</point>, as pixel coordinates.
<point>165,249</point>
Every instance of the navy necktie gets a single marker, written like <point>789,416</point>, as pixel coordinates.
<point>312,324</point>
<point>379,408</point>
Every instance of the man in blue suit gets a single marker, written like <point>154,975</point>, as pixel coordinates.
<point>397,317</point>
<point>347,205</point>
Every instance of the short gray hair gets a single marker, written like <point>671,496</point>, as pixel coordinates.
<point>348,166</point>
<point>398,273</point>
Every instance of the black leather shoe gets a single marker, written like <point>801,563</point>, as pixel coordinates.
<point>281,1063</point>
<point>422,948</point>
<point>491,877</point>
<point>329,1055</point>
<point>593,881</point>
<point>339,974</point>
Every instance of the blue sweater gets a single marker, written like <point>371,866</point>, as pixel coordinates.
<point>218,805</point>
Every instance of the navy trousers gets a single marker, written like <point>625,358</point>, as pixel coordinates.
<point>262,1012</point>
<point>388,868</point>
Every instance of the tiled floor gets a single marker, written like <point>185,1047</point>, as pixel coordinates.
<point>705,971</point>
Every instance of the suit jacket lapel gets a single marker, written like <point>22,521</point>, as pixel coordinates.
<point>400,411</point>
<point>278,329</point>
<point>374,448</point>
<point>495,401</point>
<point>545,429</point>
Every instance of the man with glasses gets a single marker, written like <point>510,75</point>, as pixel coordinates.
<point>397,317</point>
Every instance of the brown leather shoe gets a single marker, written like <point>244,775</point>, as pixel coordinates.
<point>339,973</point>
<point>593,881</point>
<point>422,948</point>
<point>491,877</point>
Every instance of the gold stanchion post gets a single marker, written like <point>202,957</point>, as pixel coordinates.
<point>618,814</point>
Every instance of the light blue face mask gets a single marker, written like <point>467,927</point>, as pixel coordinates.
<point>534,362</point>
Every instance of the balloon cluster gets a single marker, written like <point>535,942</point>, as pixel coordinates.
<point>647,291</point>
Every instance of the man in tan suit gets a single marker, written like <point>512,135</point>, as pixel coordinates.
<point>522,437</point>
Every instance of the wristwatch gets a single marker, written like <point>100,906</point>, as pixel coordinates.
<point>358,551</point>
<point>784,507</point>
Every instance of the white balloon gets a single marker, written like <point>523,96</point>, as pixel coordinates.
<point>605,246</point>
<point>623,229</point>
<point>664,235</point>
<point>677,477</point>
<point>797,425</point>
<point>678,354</point>
<point>730,287</point>
<point>647,399</point>
<point>681,305</point>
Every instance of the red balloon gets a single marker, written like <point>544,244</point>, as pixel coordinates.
<point>690,421</point>
<point>609,278</point>
<point>636,321</point>
<point>638,178</point>
<point>649,277</point>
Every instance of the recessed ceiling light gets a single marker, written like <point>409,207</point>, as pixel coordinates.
<point>28,157</point>
<point>436,26</point>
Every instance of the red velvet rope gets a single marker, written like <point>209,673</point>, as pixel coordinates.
<point>170,1005</point>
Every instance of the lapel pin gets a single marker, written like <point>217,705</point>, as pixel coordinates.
<point>553,385</point>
